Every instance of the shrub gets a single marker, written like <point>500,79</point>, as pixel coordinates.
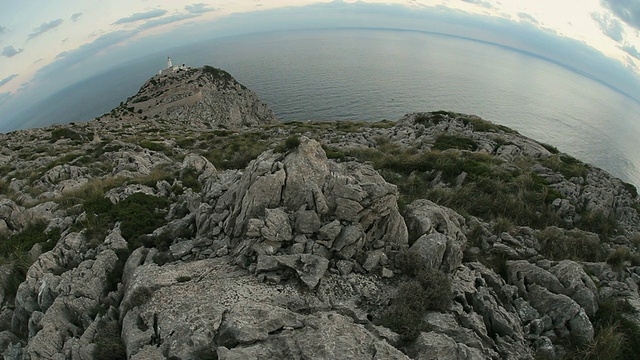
<point>444,142</point>
<point>557,244</point>
<point>290,144</point>
<point>620,255</point>
<point>427,290</point>
<point>64,133</point>
<point>615,334</point>
<point>139,297</point>
<point>566,165</point>
<point>109,345</point>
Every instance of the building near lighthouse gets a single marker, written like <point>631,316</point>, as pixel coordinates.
<point>170,68</point>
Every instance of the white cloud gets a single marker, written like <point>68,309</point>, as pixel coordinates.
<point>198,8</point>
<point>609,26</point>
<point>141,16</point>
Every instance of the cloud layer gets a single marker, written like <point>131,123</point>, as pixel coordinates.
<point>141,16</point>
<point>44,28</point>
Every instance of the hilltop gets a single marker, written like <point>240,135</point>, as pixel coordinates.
<point>188,223</point>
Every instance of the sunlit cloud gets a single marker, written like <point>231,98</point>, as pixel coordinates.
<point>631,50</point>
<point>484,4</point>
<point>198,8</point>
<point>10,51</point>
<point>141,16</point>
<point>166,20</point>
<point>44,28</point>
<point>609,26</point>
<point>527,17</point>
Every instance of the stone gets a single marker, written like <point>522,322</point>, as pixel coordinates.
<point>307,222</point>
<point>565,313</point>
<point>430,250</point>
<point>310,268</point>
<point>276,226</point>
<point>348,242</point>
<point>249,322</point>
<point>330,231</point>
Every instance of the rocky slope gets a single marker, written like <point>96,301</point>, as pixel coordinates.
<point>197,227</point>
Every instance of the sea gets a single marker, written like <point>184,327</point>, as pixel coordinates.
<point>376,74</point>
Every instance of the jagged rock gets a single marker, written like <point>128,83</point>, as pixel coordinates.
<point>577,285</point>
<point>246,323</point>
<point>348,242</point>
<point>432,345</point>
<point>202,167</point>
<point>310,268</point>
<point>430,249</point>
<point>330,231</point>
<point>276,226</point>
<point>566,314</point>
<point>521,273</point>
<point>423,217</point>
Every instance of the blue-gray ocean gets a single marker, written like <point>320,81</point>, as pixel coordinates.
<point>383,74</point>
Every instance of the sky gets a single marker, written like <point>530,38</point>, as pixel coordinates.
<point>47,45</point>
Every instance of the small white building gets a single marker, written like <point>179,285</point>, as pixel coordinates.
<point>170,68</point>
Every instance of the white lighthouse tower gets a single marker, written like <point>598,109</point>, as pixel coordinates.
<point>169,64</point>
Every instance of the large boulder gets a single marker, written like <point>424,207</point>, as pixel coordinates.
<point>436,233</point>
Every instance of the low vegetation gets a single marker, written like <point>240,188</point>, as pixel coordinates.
<point>425,290</point>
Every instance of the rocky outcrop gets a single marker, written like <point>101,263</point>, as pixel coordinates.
<point>301,211</point>
<point>203,98</point>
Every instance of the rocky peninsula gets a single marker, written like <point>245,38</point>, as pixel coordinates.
<point>189,223</point>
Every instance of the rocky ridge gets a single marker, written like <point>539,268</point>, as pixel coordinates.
<point>211,231</point>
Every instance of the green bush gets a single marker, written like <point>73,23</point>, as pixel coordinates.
<point>616,336</point>
<point>64,133</point>
<point>427,290</point>
<point>566,165</point>
<point>138,214</point>
<point>445,142</point>
<point>234,151</point>
<point>557,244</point>
<point>109,344</point>
<point>290,144</point>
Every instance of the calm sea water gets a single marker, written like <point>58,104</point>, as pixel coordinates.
<point>382,74</point>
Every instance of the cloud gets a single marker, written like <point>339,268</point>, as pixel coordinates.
<point>141,16</point>
<point>75,16</point>
<point>198,8</point>
<point>44,28</point>
<point>3,29</point>
<point>527,17</point>
<point>10,51</point>
<point>165,20</point>
<point>631,50</point>
<point>609,26</point>
<point>627,10</point>
<point>7,79</point>
<point>482,3</point>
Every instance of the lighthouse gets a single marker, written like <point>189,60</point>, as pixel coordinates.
<point>169,64</point>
